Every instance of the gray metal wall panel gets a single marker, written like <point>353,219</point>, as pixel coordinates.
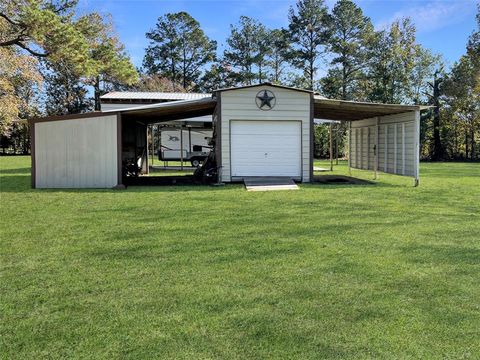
<point>395,148</point>
<point>77,153</point>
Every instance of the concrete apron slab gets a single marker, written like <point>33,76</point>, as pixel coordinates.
<point>269,184</point>
<point>318,168</point>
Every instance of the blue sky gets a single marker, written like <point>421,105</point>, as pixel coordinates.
<point>443,25</point>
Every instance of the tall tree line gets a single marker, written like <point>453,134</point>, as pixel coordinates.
<point>337,53</point>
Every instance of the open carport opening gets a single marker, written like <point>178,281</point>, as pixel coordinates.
<point>146,160</point>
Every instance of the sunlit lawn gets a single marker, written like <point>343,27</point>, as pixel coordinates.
<point>329,271</point>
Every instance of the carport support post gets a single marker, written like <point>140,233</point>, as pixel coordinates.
<point>417,147</point>
<point>181,148</point>
<point>153,142</point>
<point>337,129</point>
<point>349,147</point>
<point>375,150</point>
<point>331,146</point>
<point>146,150</point>
<point>190,138</point>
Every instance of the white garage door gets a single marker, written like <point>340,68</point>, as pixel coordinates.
<point>266,148</point>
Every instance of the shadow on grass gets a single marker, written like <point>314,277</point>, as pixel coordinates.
<point>22,184</point>
<point>340,180</point>
<point>25,170</point>
<point>447,254</point>
<point>15,183</point>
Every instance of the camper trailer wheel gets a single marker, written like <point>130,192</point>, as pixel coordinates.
<point>195,162</point>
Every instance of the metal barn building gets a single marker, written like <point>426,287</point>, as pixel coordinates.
<point>261,130</point>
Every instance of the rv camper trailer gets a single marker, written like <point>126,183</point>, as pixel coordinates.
<point>187,144</point>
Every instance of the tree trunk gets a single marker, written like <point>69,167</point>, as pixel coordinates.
<point>97,93</point>
<point>184,69</point>
<point>311,74</point>
<point>466,144</point>
<point>438,150</point>
<point>472,143</point>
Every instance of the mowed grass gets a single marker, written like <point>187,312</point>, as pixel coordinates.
<point>329,271</point>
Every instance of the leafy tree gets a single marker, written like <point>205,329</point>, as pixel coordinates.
<point>64,91</point>
<point>464,99</point>
<point>157,83</point>
<point>309,33</point>
<point>321,141</point>
<point>393,52</point>
<point>17,136</point>
<point>18,73</point>
<point>247,50</point>
<point>179,49</point>
<point>461,101</point>
<point>48,30</point>
<point>473,48</point>
<point>426,68</point>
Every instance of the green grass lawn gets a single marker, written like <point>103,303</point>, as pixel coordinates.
<point>329,271</point>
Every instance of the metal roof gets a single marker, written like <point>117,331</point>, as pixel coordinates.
<point>263,84</point>
<point>204,104</point>
<point>168,111</point>
<point>353,110</point>
<point>137,95</point>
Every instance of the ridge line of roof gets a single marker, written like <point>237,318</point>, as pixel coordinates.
<point>264,84</point>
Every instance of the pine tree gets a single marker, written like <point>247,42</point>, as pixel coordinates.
<point>279,55</point>
<point>179,50</point>
<point>247,50</point>
<point>351,35</point>
<point>45,28</point>
<point>309,32</point>
<point>110,63</point>
<point>219,76</point>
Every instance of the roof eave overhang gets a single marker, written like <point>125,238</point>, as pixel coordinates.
<point>342,110</point>
<point>170,111</point>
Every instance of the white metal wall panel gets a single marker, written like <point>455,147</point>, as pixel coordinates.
<point>397,144</point>
<point>109,107</point>
<point>76,153</point>
<point>266,148</point>
<point>239,104</point>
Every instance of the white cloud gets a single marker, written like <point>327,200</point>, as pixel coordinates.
<point>433,15</point>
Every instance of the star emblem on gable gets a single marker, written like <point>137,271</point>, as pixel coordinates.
<point>265,100</point>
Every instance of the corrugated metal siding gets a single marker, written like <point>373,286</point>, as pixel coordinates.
<point>78,153</point>
<point>395,148</point>
<point>240,104</point>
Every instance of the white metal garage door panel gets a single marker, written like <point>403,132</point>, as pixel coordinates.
<point>266,148</point>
